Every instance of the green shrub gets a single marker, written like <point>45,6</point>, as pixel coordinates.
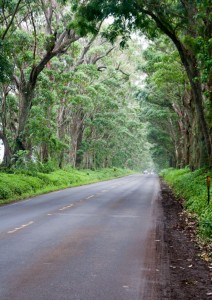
<point>23,183</point>
<point>192,187</point>
<point>206,225</point>
<point>13,184</point>
<point>5,192</point>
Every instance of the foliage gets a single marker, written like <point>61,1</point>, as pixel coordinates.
<point>166,104</point>
<point>21,185</point>
<point>191,186</point>
<point>5,65</point>
<point>74,106</point>
<point>159,100</point>
<point>187,24</point>
<point>68,91</point>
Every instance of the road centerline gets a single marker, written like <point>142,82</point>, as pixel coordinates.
<point>90,197</point>
<point>21,227</point>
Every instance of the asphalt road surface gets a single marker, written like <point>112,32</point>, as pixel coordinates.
<point>94,242</point>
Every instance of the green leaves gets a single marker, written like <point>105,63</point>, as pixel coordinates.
<point>80,103</point>
<point>5,64</point>
<point>191,186</point>
<point>161,100</point>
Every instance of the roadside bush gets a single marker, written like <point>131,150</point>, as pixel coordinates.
<point>191,186</point>
<point>18,184</point>
<point>25,183</point>
<point>5,192</point>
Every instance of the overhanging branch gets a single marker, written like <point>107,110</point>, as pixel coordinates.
<point>11,21</point>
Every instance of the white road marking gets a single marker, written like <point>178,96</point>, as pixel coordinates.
<point>90,197</point>
<point>21,227</point>
<point>65,207</point>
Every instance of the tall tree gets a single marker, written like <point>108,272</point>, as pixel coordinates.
<point>167,104</point>
<point>67,98</point>
<point>186,23</point>
<point>37,32</point>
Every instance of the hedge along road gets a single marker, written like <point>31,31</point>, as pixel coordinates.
<point>90,242</point>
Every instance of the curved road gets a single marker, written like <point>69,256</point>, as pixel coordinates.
<point>95,242</point>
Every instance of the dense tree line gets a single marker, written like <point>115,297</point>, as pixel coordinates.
<point>66,96</point>
<point>167,105</point>
<point>187,25</point>
<point>71,91</point>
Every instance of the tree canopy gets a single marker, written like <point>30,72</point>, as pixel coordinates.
<point>186,23</point>
<point>72,88</point>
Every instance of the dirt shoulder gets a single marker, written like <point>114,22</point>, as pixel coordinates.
<point>190,276</point>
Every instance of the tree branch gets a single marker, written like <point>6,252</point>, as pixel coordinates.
<point>101,68</point>
<point>118,69</point>
<point>164,27</point>
<point>57,49</point>
<point>35,33</point>
<point>17,81</point>
<point>11,21</point>
<point>47,17</point>
<point>87,47</point>
<point>94,60</point>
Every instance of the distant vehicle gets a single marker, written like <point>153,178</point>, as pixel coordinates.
<point>150,172</point>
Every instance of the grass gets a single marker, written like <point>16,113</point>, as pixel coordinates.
<point>191,186</point>
<point>15,187</point>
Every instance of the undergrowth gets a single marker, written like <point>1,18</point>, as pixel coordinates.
<point>23,184</point>
<point>191,186</point>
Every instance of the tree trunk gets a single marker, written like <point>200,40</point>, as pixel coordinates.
<point>7,151</point>
<point>79,154</point>
<point>76,138</point>
<point>73,150</point>
<point>191,67</point>
<point>197,95</point>
<point>25,104</point>
<point>190,64</point>
<point>44,153</point>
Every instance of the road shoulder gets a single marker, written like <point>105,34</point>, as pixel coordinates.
<point>190,276</point>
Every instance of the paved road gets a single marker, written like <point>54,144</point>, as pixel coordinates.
<point>85,243</point>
